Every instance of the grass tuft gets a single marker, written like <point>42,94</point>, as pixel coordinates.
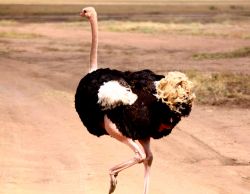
<point>19,35</point>
<point>221,88</point>
<point>8,22</point>
<point>49,49</point>
<point>141,27</point>
<point>223,30</point>
<point>238,53</point>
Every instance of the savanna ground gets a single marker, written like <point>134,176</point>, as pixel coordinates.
<point>44,51</point>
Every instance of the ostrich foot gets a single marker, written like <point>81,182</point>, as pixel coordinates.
<point>113,182</point>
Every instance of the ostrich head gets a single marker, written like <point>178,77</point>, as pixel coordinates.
<point>88,12</point>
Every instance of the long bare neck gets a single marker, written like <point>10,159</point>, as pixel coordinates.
<point>94,44</point>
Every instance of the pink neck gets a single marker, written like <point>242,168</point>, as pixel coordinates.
<point>94,44</point>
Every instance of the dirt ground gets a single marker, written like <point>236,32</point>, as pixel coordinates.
<point>44,148</point>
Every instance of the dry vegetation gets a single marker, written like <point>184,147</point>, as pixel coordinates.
<point>228,89</point>
<point>20,35</point>
<point>226,29</point>
<point>222,88</point>
<point>160,10</point>
<point>121,2</point>
<point>238,53</point>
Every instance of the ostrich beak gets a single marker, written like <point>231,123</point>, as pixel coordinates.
<point>81,14</point>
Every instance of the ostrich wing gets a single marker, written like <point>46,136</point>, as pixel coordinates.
<point>112,94</point>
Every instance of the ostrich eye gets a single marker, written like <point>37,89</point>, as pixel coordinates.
<point>84,11</point>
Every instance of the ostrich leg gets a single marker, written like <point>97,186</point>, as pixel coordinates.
<point>139,154</point>
<point>147,162</point>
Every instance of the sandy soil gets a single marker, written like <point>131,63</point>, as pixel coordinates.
<point>44,147</point>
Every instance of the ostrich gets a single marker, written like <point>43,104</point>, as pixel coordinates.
<point>131,107</point>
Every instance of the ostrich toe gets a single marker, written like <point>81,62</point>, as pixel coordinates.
<point>113,183</point>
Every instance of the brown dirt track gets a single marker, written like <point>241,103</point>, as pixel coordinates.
<point>45,149</point>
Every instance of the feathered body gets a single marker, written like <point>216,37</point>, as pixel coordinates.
<point>147,116</point>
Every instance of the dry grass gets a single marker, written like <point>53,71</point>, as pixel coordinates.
<point>124,9</point>
<point>50,49</point>
<point>120,2</point>
<point>238,53</point>
<point>154,27</point>
<point>221,88</point>
<point>226,29</point>
<point>8,22</point>
<point>18,35</point>
<point>141,27</point>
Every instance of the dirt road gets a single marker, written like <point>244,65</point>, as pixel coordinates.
<point>44,147</point>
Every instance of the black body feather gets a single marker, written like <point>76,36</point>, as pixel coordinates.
<point>140,120</point>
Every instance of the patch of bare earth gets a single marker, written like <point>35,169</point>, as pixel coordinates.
<point>44,148</point>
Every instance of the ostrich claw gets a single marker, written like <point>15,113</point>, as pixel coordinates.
<point>113,182</point>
